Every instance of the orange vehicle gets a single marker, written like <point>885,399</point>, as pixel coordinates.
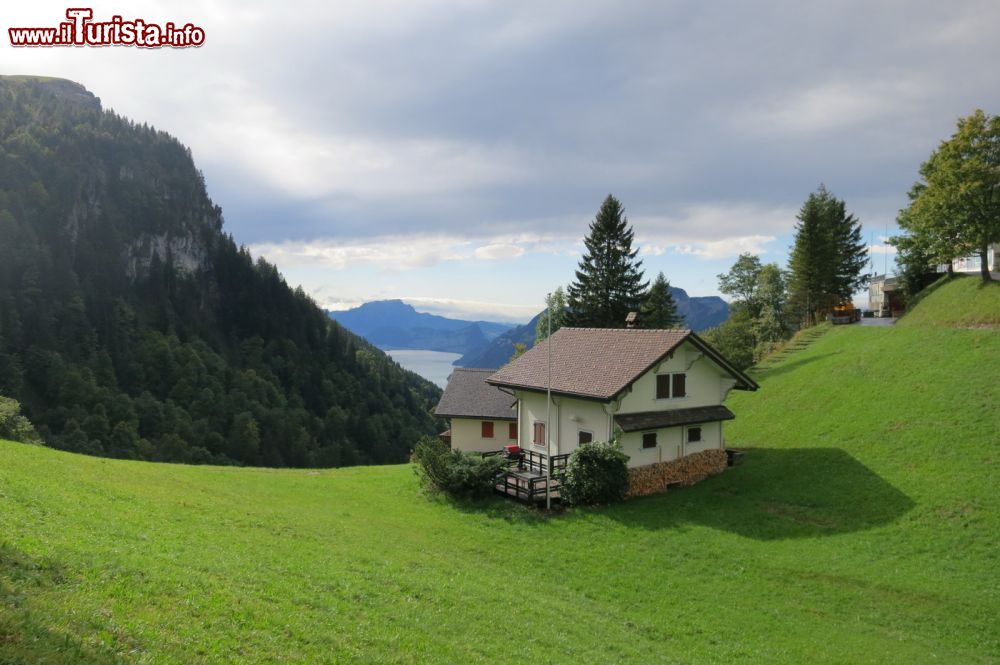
<point>845,312</point>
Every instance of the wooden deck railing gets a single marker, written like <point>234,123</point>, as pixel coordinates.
<point>527,478</point>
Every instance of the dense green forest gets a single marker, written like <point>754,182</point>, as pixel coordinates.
<point>132,326</point>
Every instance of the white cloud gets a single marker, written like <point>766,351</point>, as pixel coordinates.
<point>831,105</point>
<point>474,309</point>
<point>727,248</point>
<point>390,253</point>
<point>497,251</point>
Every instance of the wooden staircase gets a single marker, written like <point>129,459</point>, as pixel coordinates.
<point>802,340</point>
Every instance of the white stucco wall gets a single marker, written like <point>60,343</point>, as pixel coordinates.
<point>704,383</point>
<point>466,434</point>
<point>568,415</point>
<point>671,444</point>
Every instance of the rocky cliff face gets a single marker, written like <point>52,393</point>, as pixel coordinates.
<point>109,185</point>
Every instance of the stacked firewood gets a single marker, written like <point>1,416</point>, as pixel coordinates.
<point>687,470</point>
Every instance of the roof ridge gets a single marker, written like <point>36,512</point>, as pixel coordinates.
<point>630,330</point>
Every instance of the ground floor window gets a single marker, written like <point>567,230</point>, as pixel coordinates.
<point>539,434</point>
<point>487,429</point>
<point>584,437</point>
<point>694,434</point>
<point>649,440</point>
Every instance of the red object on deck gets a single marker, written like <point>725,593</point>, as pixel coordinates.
<point>513,449</point>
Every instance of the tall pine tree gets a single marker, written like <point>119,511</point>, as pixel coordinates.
<point>609,280</point>
<point>660,310</point>
<point>827,259</point>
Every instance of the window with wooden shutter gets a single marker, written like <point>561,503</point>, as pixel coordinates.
<point>539,434</point>
<point>671,386</point>
<point>487,429</point>
<point>680,386</point>
<point>512,431</point>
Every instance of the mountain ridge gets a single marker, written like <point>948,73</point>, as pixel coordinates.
<point>394,324</point>
<point>132,325</point>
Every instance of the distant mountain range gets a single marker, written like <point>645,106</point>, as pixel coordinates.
<point>699,313</point>
<point>392,324</point>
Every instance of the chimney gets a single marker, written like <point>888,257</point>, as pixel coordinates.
<point>631,319</point>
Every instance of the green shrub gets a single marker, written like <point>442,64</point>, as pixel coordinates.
<point>13,425</point>
<point>453,472</point>
<point>596,473</point>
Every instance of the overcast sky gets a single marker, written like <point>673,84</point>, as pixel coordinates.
<point>452,154</point>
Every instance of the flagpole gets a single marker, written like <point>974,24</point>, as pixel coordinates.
<point>548,406</point>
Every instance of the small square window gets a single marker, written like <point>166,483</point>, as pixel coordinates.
<point>584,437</point>
<point>487,429</point>
<point>512,431</point>
<point>649,440</point>
<point>694,434</point>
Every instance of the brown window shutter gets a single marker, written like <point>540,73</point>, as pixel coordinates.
<point>680,385</point>
<point>662,386</point>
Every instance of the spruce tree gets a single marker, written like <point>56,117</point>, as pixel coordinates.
<point>827,259</point>
<point>609,280</point>
<point>660,310</point>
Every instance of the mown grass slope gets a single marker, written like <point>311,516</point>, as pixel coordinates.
<point>863,527</point>
<point>959,301</point>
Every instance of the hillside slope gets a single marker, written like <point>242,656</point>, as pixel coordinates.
<point>132,326</point>
<point>861,528</point>
<point>962,301</point>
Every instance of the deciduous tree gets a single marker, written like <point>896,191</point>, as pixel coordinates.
<point>954,208</point>
<point>555,305</point>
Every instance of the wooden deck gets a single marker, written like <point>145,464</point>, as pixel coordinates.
<point>528,479</point>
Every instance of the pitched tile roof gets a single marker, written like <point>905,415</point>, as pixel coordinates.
<point>634,422</point>
<point>469,396</point>
<point>591,362</point>
<point>601,362</point>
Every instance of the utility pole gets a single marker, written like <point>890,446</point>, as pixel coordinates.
<point>548,406</point>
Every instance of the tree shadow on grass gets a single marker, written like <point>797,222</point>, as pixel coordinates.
<point>777,494</point>
<point>494,507</point>
<point>24,638</point>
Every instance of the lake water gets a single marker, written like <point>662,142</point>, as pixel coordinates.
<point>435,366</point>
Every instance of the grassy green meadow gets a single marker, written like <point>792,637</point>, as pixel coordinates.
<point>863,527</point>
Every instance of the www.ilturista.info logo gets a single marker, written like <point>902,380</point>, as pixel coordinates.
<point>81,30</point>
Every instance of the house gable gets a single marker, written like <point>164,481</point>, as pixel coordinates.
<point>602,364</point>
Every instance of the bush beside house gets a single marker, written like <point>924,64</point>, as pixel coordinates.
<point>596,473</point>
<point>453,472</point>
